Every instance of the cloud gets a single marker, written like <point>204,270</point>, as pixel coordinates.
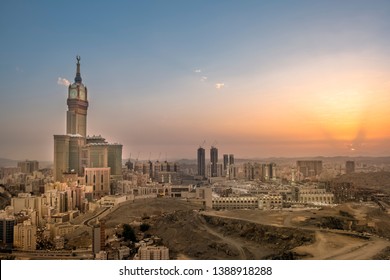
<point>63,82</point>
<point>197,71</point>
<point>203,79</point>
<point>219,85</point>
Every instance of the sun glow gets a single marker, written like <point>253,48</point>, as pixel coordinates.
<point>340,114</point>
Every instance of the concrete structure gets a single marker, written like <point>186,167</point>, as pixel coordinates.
<point>25,236</point>
<point>101,255</point>
<point>228,163</point>
<point>213,162</point>
<point>59,242</point>
<point>60,229</point>
<point>176,191</point>
<point>161,172</point>
<point>349,167</point>
<point>260,171</point>
<point>215,169</point>
<point>225,162</point>
<point>123,252</point>
<point>74,151</point>
<point>232,172</point>
<point>262,202</point>
<point>99,153</point>
<point>112,200</point>
<point>315,196</point>
<point>8,171</point>
<point>26,201</point>
<point>245,202</point>
<point>270,201</point>
<point>28,166</point>
<point>201,157</point>
<point>153,253</point>
<point>98,237</point>
<point>253,171</point>
<point>205,195</point>
<point>99,179</point>
<point>7,223</point>
<point>309,168</point>
<point>165,172</point>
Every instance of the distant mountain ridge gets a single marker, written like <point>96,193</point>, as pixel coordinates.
<point>5,162</point>
<point>365,159</point>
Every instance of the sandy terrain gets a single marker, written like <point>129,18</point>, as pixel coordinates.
<point>189,236</point>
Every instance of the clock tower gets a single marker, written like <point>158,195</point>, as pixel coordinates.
<point>76,154</point>
<point>76,116</point>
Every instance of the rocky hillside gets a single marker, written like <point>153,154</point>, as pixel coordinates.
<point>200,236</point>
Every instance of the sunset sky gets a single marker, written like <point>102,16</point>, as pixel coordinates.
<point>256,78</point>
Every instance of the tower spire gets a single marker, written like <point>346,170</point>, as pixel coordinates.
<point>78,79</point>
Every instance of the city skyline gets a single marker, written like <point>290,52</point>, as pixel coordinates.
<point>259,79</point>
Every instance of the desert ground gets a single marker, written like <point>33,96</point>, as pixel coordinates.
<point>350,231</point>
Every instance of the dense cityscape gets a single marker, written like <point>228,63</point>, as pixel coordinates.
<point>94,203</point>
<point>218,132</point>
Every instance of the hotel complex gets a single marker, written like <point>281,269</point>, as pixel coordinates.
<point>92,159</point>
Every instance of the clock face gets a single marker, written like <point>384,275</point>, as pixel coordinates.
<point>82,94</point>
<point>73,93</point>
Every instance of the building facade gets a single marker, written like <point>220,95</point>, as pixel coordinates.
<point>262,202</point>
<point>213,161</point>
<point>153,253</point>
<point>7,223</point>
<point>25,236</point>
<point>28,166</point>
<point>309,168</point>
<point>201,162</point>
<point>349,167</point>
<point>75,151</point>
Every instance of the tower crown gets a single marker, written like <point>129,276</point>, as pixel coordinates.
<point>77,90</point>
<point>78,78</point>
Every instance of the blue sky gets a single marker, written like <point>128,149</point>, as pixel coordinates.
<point>165,75</point>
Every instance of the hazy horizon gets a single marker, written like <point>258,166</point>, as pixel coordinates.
<point>257,79</point>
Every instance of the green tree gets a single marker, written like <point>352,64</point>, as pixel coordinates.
<point>144,227</point>
<point>128,233</point>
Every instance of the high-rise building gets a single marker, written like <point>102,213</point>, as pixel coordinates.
<point>231,159</point>
<point>201,162</point>
<point>7,223</point>
<point>214,161</point>
<point>229,169</point>
<point>99,179</point>
<point>67,148</point>
<point>76,116</point>
<point>28,166</point>
<point>98,236</point>
<point>272,169</point>
<point>75,151</point>
<point>349,167</point>
<point>225,162</point>
<point>25,236</point>
<point>309,168</point>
